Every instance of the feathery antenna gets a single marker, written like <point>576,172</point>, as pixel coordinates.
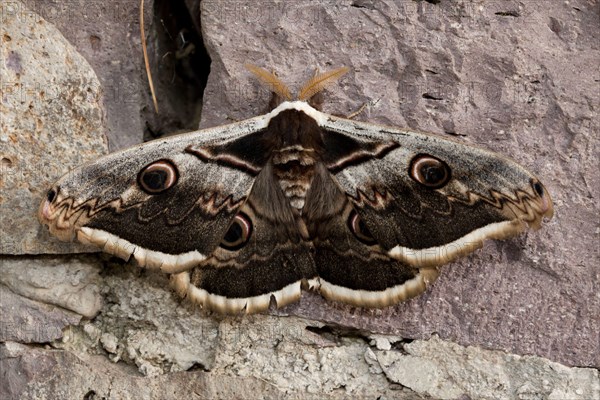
<point>320,82</point>
<point>271,80</point>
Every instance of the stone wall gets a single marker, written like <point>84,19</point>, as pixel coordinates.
<point>517,319</point>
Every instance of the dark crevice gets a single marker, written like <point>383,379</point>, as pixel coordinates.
<point>429,96</point>
<point>334,333</point>
<point>324,331</point>
<point>180,66</point>
<point>198,367</point>
<point>37,345</point>
<point>452,133</point>
<point>366,4</point>
<point>511,13</point>
<point>399,345</point>
<point>92,395</point>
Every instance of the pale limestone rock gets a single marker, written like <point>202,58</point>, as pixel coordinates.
<point>64,281</point>
<point>40,374</point>
<point>52,120</point>
<point>108,37</point>
<point>144,323</point>
<point>278,358</point>
<point>446,370</point>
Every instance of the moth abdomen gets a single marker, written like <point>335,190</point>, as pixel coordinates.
<point>294,179</point>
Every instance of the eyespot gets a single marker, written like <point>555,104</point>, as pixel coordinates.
<point>51,195</point>
<point>429,171</point>
<point>157,177</point>
<point>238,234</point>
<point>360,230</point>
<point>539,189</point>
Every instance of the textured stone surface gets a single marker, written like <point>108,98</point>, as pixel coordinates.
<point>514,77</point>
<point>63,281</point>
<point>143,323</point>
<point>52,120</point>
<point>270,357</point>
<point>27,321</point>
<point>511,76</point>
<point>430,368</point>
<point>107,35</point>
<point>34,373</point>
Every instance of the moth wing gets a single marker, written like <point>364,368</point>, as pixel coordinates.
<point>209,175</point>
<point>395,181</point>
<point>267,258</point>
<point>352,267</point>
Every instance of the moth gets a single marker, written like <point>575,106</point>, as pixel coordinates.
<point>247,215</point>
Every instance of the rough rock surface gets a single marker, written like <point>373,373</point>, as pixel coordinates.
<point>145,338</point>
<point>66,282</point>
<point>514,77</point>
<point>50,123</point>
<point>430,368</point>
<point>511,76</point>
<point>145,324</point>
<point>269,357</point>
<point>27,321</point>
<point>107,35</point>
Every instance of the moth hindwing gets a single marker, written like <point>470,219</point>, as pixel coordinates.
<point>248,214</point>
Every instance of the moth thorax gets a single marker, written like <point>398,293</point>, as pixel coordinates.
<point>294,168</point>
